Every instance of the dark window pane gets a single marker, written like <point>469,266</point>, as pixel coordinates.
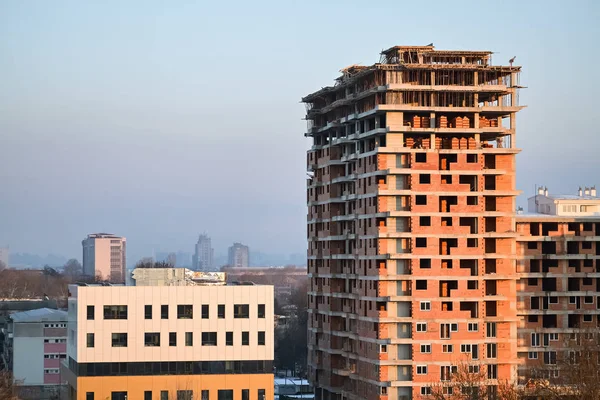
<point>205,314</point>
<point>229,338</point>
<point>147,312</point>
<point>261,394</point>
<point>152,339</point>
<point>241,311</point>
<point>245,394</point>
<point>115,312</point>
<point>90,316</point>
<point>261,311</point>
<point>164,311</point>
<point>184,395</point>
<point>225,395</point>
<point>205,395</point>
<point>89,396</point>
<point>147,395</point>
<point>118,396</point>
<point>261,338</point>
<point>209,338</point>
<point>119,340</point>
<point>189,338</point>
<point>172,338</point>
<point>221,311</point>
<point>164,395</point>
<point>245,338</point>
<point>185,311</point>
<point>90,340</point>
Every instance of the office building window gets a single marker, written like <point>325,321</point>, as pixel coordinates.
<point>147,312</point>
<point>204,395</point>
<point>225,395</point>
<point>152,339</point>
<point>118,396</point>
<point>245,394</point>
<point>90,316</point>
<point>261,394</point>
<point>261,338</point>
<point>119,340</point>
<point>189,338</point>
<point>425,348</point>
<point>421,369</point>
<point>89,396</point>
<point>185,395</point>
<point>261,311</point>
<point>90,340</point>
<point>205,314</point>
<point>245,338</point>
<point>164,395</point>
<point>221,311</point>
<point>209,338</point>
<point>241,311</point>
<point>164,311</point>
<point>422,327</point>
<point>115,312</point>
<point>229,338</point>
<point>172,338</point>
<point>147,395</point>
<point>185,311</point>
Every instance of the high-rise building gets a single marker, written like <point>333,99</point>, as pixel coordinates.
<point>35,342</point>
<point>411,224</point>
<point>4,256</point>
<point>204,254</point>
<point>239,256</point>
<point>170,342</point>
<point>558,289</point>
<point>104,256</point>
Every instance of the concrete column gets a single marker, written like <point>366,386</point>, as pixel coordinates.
<point>432,141</point>
<point>476,122</point>
<point>476,79</point>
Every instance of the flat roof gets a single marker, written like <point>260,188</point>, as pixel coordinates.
<point>534,215</point>
<point>39,315</point>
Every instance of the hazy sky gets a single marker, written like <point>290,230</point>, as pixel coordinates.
<point>159,120</point>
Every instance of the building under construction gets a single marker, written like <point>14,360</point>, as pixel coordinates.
<point>411,224</point>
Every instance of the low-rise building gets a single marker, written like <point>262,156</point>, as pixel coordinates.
<point>34,345</point>
<point>170,342</point>
<point>558,291</point>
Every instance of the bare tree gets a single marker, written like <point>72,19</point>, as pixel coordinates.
<point>2,266</point>
<point>8,388</point>
<point>72,268</point>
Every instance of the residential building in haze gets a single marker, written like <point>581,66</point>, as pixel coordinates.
<point>203,259</point>
<point>104,256</point>
<point>170,342</point>
<point>239,256</point>
<point>411,224</point>
<point>4,256</point>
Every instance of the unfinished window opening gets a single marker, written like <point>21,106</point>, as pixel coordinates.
<point>548,227</point>
<point>534,228</point>
<point>532,281</point>
<point>547,264</point>
<point>472,242</point>
<point>574,321</point>
<point>425,221</point>
<point>420,157</point>
<point>446,288</point>
<point>586,245</point>
<point>534,303</point>
<point>549,321</point>
<point>471,306</point>
<point>472,200</point>
<point>470,180</point>
<point>549,284</point>
<point>489,161</point>
<point>490,224</point>
<point>446,202</point>
<point>446,221</point>
<point>532,245</point>
<point>490,266</point>
<point>490,246</point>
<point>421,200</point>
<point>446,264</point>
<point>424,179</point>
<point>470,222</point>
<point>447,306</point>
<point>446,160</point>
<point>446,179</point>
<point>532,318</point>
<point>446,245</point>
<point>491,309</point>
<point>471,158</point>
<point>425,263</point>
<point>421,285</point>
<point>472,285</point>
<point>489,182</point>
<point>490,203</point>
<point>573,284</point>
<point>491,288</point>
<point>471,265</point>
<point>421,242</point>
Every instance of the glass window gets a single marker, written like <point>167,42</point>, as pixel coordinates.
<point>241,311</point>
<point>221,311</point>
<point>90,340</point>
<point>245,338</point>
<point>164,395</point>
<point>261,311</point>
<point>118,396</point>
<point>119,340</point>
<point>261,338</point>
<point>172,338</point>
<point>185,394</point>
<point>229,338</point>
<point>209,338</point>
<point>115,312</point>
<point>185,311</point>
<point>152,339</point>
<point>89,396</point>
<point>147,395</point>
<point>147,312</point>
<point>205,314</point>
<point>205,395</point>
<point>164,311</point>
<point>90,316</point>
<point>245,394</point>
<point>225,394</point>
<point>189,338</point>
<point>261,394</point>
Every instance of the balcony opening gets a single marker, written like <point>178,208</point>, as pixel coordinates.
<point>446,221</point>
<point>472,200</point>
<point>573,227</point>
<point>572,247</point>
<point>491,309</point>
<point>534,228</point>
<point>573,284</point>
<point>447,306</point>
<point>534,266</point>
<point>490,266</point>
<point>490,203</point>
<point>470,180</point>
<point>446,264</point>
<point>490,224</point>
<point>549,321</point>
<point>490,182</point>
<point>491,288</point>
<point>574,321</point>
<point>490,246</point>
<point>547,264</point>
<point>471,306</point>
<point>549,284</point>
<point>489,161</point>
<point>548,227</point>
<point>446,288</point>
<point>472,285</point>
<point>446,245</point>
<point>446,202</point>
<point>470,222</point>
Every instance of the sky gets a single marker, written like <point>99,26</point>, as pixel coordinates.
<point>161,120</point>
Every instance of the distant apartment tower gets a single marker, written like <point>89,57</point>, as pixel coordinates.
<point>411,224</point>
<point>559,286</point>
<point>104,256</point>
<point>239,256</point>
<point>170,342</point>
<point>204,254</point>
<point>35,342</point>
<point>4,256</point>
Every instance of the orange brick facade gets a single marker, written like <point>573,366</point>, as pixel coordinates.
<point>411,224</point>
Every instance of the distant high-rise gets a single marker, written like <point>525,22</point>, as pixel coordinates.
<point>203,256</point>
<point>104,255</point>
<point>239,256</point>
<point>4,256</point>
